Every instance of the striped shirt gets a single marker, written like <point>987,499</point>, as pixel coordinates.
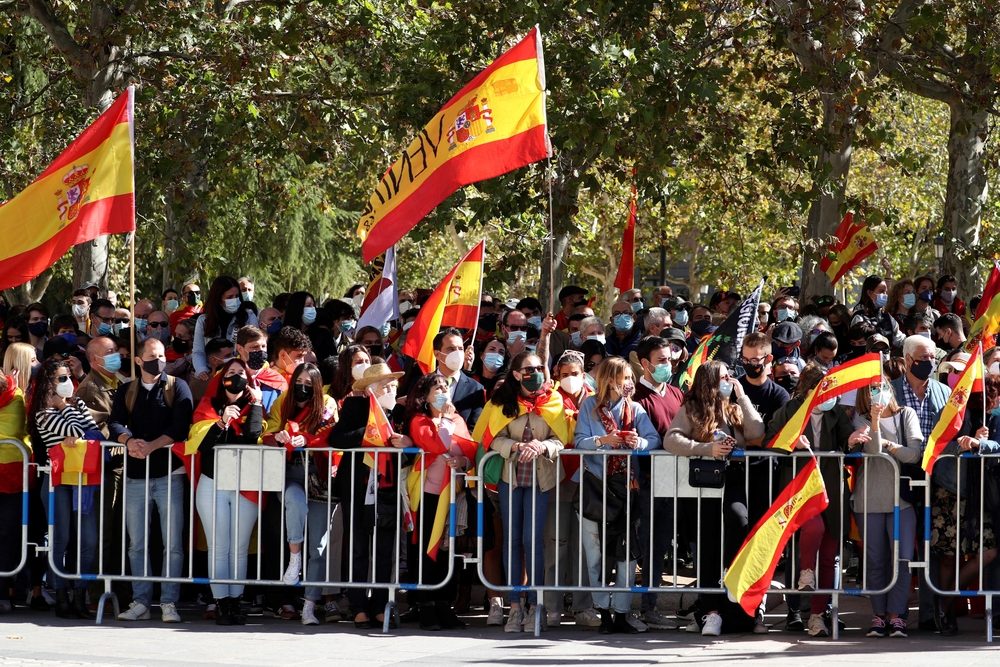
<point>54,426</point>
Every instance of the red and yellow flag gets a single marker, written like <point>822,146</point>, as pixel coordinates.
<point>455,303</point>
<point>855,374</point>
<point>492,126</point>
<point>377,434</point>
<point>855,243</point>
<point>87,192</point>
<point>12,427</point>
<point>749,576</point>
<point>69,463</point>
<point>969,382</point>
<point>987,323</point>
<point>625,278</point>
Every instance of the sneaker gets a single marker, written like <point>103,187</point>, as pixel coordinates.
<point>759,628</point>
<point>38,603</point>
<point>309,613</point>
<point>636,622</point>
<point>168,612</point>
<point>286,612</point>
<point>588,618</point>
<point>807,580</point>
<point>828,619</point>
<point>6,606</point>
<point>692,627</point>
<point>793,621</point>
<point>209,612</point>
<point>514,620</point>
<point>136,611</point>
<point>711,625</point>
<point>817,626</point>
<point>878,627</point>
<point>495,617</point>
<point>529,619</point>
<point>256,606</point>
<point>897,627</point>
<point>685,614</point>
<point>291,575</point>
<point>332,612</point>
<point>657,621</point>
<point>203,601</point>
<point>553,618</point>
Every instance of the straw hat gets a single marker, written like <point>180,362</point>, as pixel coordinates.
<point>374,374</point>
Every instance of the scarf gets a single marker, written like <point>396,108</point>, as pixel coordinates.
<point>617,464</point>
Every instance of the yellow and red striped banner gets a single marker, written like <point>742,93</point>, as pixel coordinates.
<point>70,463</point>
<point>855,374</point>
<point>455,303</point>
<point>86,192</point>
<point>855,243</point>
<point>492,126</point>
<point>749,575</point>
<point>950,422</point>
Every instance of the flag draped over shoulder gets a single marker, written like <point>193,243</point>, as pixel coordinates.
<point>987,323</point>
<point>492,126</point>
<point>854,244</point>
<point>382,297</point>
<point>853,375</point>
<point>12,426</point>
<point>625,278</point>
<point>86,192</point>
<point>492,420</point>
<point>76,465</point>
<point>950,422</point>
<point>455,303</point>
<point>749,575</point>
<point>726,343</point>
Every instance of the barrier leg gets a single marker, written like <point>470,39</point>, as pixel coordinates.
<point>108,594</point>
<point>989,618</point>
<point>390,612</point>
<point>835,617</point>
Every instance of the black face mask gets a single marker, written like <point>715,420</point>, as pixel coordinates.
<point>922,369</point>
<point>753,371</point>
<point>192,298</point>
<point>488,322</point>
<point>257,359</point>
<point>181,346</point>
<point>235,384</point>
<point>303,393</point>
<point>375,350</point>
<point>788,382</point>
<point>857,350</point>
<point>154,366</point>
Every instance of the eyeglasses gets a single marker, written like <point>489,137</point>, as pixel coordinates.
<point>121,320</point>
<point>622,312</point>
<point>753,361</point>
<point>195,292</point>
<point>533,369</point>
<point>157,325</point>
<point>97,317</point>
<point>516,327</point>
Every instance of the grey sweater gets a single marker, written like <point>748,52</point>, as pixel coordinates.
<point>679,441</point>
<point>878,473</point>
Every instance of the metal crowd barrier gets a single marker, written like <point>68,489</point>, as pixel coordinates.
<point>26,463</point>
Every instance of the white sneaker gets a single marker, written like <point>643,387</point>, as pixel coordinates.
<point>168,611</point>
<point>136,611</point>
<point>588,618</point>
<point>711,625</point>
<point>658,621</point>
<point>553,618</point>
<point>529,619</point>
<point>309,613</point>
<point>514,620</point>
<point>495,617</point>
<point>291,576</point>
<point>817,626</point>
<point>636,622</point>
<point>807,580</point>
<point>692,627</point>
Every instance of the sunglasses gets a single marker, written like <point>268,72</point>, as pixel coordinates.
<point>62,378</point>
<point>533,369</point>
<point>157,325</point>
<point>121,320</point>
<point>192,292</point>
<point>517,327</point>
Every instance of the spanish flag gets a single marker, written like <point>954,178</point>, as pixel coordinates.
<point>749,576</point>
<point>969,382</point>
<point>492,126</point>
<point>855,374</point>
<point>377,434</point>
<point>69,463</point>
<point>854,244</point>
<point>455,303</point>
<point>625,277</point>
<point>12,427</point>
<point>87,192</point>
<point>987,323</point>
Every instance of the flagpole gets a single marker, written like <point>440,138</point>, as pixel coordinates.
<point>131,297</point>
<point>551,307</point>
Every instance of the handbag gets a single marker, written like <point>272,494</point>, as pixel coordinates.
<point>707,473</point>
<point>590,500</point>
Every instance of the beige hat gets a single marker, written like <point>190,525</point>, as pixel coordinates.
<point>956,364</point>
<point>375,374</point>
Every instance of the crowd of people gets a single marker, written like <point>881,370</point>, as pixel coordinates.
<point>527,384</point>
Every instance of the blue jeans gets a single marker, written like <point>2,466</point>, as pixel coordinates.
<point>228,542</point>
<point>171,527</point>
<point>878,553</point>
<point>64,527</point>
<point>517,507</point>
<point>624,572</point>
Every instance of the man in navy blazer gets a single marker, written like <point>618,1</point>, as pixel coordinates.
<point>467,395</point>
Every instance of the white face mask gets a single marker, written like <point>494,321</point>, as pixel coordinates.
<point>387,401</point>
<point>65,389</point>
<point>405,306</point>
<point>599,338</point>
<point>359,298</point>
<point>572,384</point>
<point>454,360</point>
<point>515,336</point>
<point>406,327</point>
<point>948,296</point>
<point>995,368</point>
<point>358,370</point>
<point>79,310</point>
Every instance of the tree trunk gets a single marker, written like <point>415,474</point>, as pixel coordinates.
<point>565,190</point>
<point>560,244</point>
<point>966,195</point>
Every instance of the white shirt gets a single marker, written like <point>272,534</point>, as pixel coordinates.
<point>661,392</point>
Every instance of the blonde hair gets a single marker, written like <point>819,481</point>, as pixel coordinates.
<point>610,375</point>
<point>18,357</point>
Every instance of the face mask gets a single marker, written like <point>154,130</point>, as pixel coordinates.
<point>171,305</point>
<point>384,330</point>
<point>275,326</point>
<point>636,306</point>
<point>303,392</point>
<point>576,339</point>
<point>308,315</point>
<point>454,360</point>
<point>387,401</point>
<point>235,384</point>
<point>590,382</point>
<point>675,352</point>
<point>181,346</point>
<point>493,361</point>
<point>347,326</point>
<point>953,379</point>
<point>359,299</point>
<point>726,388</point>
<point>192,298</point>
<point>599,338</point>
<point>65,389</point>
<point>79,310</point>
<point>876,392</point>
<point>681,317</point>
<point>881,300</point>
<point>785,314</point>
<point>439,401</point>
<point>374,350</point>
<point>909,300</point>
<point>408,326</point>
<point>948,296</point>
<point>994,368</point>
<point>154,366</point>
<point>70,337</point>
<point>826,406</point>
<point>405,306</point>
<point>628,389</point>
<point>857,350</point>
<point>995,411</point>
<point>753,371</point>
<point>788,382</point>
<point>922,369</point>
<point>358,370</point>
<point>623,322</point>
<point>532,382</point>
<point>247,296</point>
<point>140,325</point>
<point>257,359</point>
<point>571,384</point>
<point>231,305</point>
<point>535,321</point>
<point>119,328</point>
<point>701,327</point>
<point>38,329</point>
<point>517,336</point>
<point>112,362</point>
<point>925,334</point>
<point>662,373</point>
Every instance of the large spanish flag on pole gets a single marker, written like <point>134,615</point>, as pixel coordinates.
<point>855,374</point>
<point>855,243</point>
<point>625,278</point>
<point>87,192</point>
<point>455,303</point>
<point>987,323</point>
<point>749,576</point>
<point>492,126</point>
<point>950,422</point>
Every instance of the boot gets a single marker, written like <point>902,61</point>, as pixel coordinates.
<point>607,623</point>
<point>63,607</point>
<point>80,604</point>
<point>447,617</point>
<point>623,626</point>
<point>239,618</point>
<point>223,615</point>
<point>429,617</point>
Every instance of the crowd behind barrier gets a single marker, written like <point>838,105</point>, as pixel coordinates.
<point>560,462</point>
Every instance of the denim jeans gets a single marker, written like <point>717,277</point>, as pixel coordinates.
<point>171,527</point>
<point>64,529</point>
<point>878,554</point>
<point>228,542</point>
<point>517,507</point>
<point>563,551</point>
<point>624,572</point>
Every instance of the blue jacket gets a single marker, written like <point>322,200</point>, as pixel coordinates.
<point>589,428</point>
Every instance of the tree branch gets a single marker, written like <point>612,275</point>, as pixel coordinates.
<point>59,35</point>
